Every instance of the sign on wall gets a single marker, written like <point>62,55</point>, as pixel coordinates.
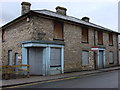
<point>95,48</point>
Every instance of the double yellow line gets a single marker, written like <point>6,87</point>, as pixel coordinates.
<point>72,77</point>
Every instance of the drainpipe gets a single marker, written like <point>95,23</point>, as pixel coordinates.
<point>94,52</point>
<point>119,32</point>
<point>118,60</point>
<point>94,39</point>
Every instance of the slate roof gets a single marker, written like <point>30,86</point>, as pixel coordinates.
<point>63,17</point>
<point>70,18</point>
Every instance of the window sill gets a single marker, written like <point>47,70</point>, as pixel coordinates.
<point>58,39</point>
<point>85,65</point>
<point>111,45</point>
<point>100,44</point>
<point>111,63</point>
<point>3,41</point>
<point>85,42</point>
<point>56,66</point>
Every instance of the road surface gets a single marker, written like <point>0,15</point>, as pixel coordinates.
<point>99,80</point>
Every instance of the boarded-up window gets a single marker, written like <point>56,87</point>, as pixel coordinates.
<point>111,57</point>
<point>55,57</point>
<point>16,61</point>
<point>10,57</point>
<point>85,35</point>
<point>58,30</point>
<point>100,37</point>
<point>110,39</point>
<point>16,58</point>
<point>3,35</point>
<point>85,58</point>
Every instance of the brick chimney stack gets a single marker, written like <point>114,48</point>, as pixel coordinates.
<point>86,19</point>
<point>61,10</point>
<point>25,7</point>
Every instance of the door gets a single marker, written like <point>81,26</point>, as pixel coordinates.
<point>101,59</point>
<point>36,61</point>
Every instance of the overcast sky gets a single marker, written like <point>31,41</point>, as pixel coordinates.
<point>101,12</point>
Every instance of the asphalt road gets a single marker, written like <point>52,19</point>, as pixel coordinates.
<point>99,80</point>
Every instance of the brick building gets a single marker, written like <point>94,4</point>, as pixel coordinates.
<point>53,42</point>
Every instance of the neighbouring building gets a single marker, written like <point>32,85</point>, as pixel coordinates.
<point>119,27</point>
<point>53,42</point>
<point>0,46</point>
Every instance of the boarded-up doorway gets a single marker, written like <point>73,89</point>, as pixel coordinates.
<point>35,61</point>
<point>101,59</point>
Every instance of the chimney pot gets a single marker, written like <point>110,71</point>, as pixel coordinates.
<point>25,7</point>
<point>86,19</point>
<point>61,10</point>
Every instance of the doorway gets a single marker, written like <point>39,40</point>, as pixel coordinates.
<point>35,56</point>
<point>100,60</point>
<point>44,57</point>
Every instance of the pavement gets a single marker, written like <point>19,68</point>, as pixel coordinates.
<point>33,79</point>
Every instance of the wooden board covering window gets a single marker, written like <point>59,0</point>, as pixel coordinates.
<point>100,37</point>
<point>10,57</point>
<point>111,57</point>
<point>3,35</point>
<point>55,57</point>
<point>58,30</point>
<point>85,58</point>
<point>85,35</point>
<point>110,39</point>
